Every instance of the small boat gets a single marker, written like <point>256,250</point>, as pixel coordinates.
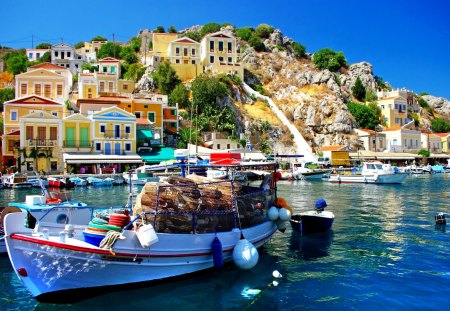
<point>139,176</point>
<point>116,181</point>
<point>315,221</point>
<point>217,173</point>
<point>301,171</point>
<point>99,182</point>
<point>79,182</point>
<point>16,181</point>
<point>371,173</point>
<point>181,226</point>
<point>60,182</point>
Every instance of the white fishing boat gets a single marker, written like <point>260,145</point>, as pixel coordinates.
<point>16,181</point>
<point>179,227</point>
<point>371,173</point>
<point>300,171</point>
<point>99,182</point>
<point>78,181</point>
<point>139,176</point>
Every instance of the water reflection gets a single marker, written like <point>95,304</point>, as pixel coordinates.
<point>311,246</point>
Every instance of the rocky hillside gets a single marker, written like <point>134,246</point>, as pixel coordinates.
<point>312,99</point>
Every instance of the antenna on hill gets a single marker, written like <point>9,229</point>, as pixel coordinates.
<point>32,41</point>
<point>114,49</point>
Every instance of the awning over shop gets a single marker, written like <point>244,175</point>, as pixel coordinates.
<point>144,134</point>
<point>158,155</point>
<point>101,158</point>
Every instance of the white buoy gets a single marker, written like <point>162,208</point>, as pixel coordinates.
<point>284,214</point>
<point>273,213</point>
<point>276,274</point>
<point>245,255</point>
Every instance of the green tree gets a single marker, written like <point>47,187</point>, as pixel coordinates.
<point>256,43</point>
<point>135,43</point>
<point>194,35</point>
<point>381,85</point>
<point>99,38</point>
<point>180,95</point>
<point>5,95</point>
<point>376,110</point>
<point>424,153</point>
<point>329,59</point>
<point>16,62</point>
<point>172,29</point>
<point>134,72</point>
<point>44,45</point>
<point>109,49</point>
<point>45,58</point>
<point>166,78</point>
<point>299,50</point>
<point>358,90</point>
<point>365,118</point>
<point>87,66</point>
<point>79,45</point>
<point>371,96</point>
<point>205,91</point>
<point>127,54</point>
<point>439,125</point>
<point>209,28</point>
<point>264,30</point>
<point>187,136</point>
<point>160,29</point>
<point>244,33</point>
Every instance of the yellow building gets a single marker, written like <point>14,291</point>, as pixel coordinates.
<point>219,54</point>
<point>47,80</point>
<point>161,43</point>
<point>114,131</point>
<point>162,117</point>
<point>394,110</point>
<point>432,142</point>
<point>32,125</point>
<point>402,140</point>
<point>445,140</point>
<point>105,81</point>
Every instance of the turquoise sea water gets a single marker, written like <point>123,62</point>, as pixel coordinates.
<point>384,252</point>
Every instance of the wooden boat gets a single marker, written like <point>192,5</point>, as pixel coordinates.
<point>179,227</point>
<point>300,171</point>
<point>315,221</point>
<point>17,181</point>
<point>371,173</point>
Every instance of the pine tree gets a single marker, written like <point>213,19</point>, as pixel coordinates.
<point>359,91</point>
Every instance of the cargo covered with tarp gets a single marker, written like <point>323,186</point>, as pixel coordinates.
<point>197,204</point>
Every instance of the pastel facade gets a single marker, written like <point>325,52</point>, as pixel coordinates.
<point>402,140</point>
<point>114,131</point>
<point>162,118</point>
<point>46,80</point>
<point>431,142</point>
<point>219,54</point>
<point>406,94</point>
<point>35,54</point>
<point>445,141</point>
<point>32,123</point>
<point>372,140</point>
<point>105,81</point>
<point>90,50</point>
<point>394,110</point>
<point>65,55</point>
<point>184,56</point>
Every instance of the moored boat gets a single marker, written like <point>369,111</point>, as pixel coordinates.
<point>371,173</point>
<point>179,227</point>
<point>315,221</point>
<point>17,181</point>
<point>300,171</point>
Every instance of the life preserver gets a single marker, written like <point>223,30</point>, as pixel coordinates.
<point>53,201</point>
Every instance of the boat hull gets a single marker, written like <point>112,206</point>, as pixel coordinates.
<point>52,266</point>
<point>368,179</point>
<point>312,222</point>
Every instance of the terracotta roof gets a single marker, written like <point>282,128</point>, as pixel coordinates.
<point>34,100</point>
<point>332,148</point>
<point>394,128</point>
<point>442,134</point>
<point>108,60</point>
<point>368,131</point>
<point>142,121</point>
<point>47,66</point>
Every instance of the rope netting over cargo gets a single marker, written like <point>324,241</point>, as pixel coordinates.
<point>195,204</point>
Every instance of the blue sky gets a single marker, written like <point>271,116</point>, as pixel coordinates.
<point>407,42</point>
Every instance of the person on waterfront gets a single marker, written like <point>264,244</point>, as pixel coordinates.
<point>82,170</point>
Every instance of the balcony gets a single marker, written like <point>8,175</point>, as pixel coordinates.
<point>41,142</point>
<point>77,144</point>
<point>116,134</point>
